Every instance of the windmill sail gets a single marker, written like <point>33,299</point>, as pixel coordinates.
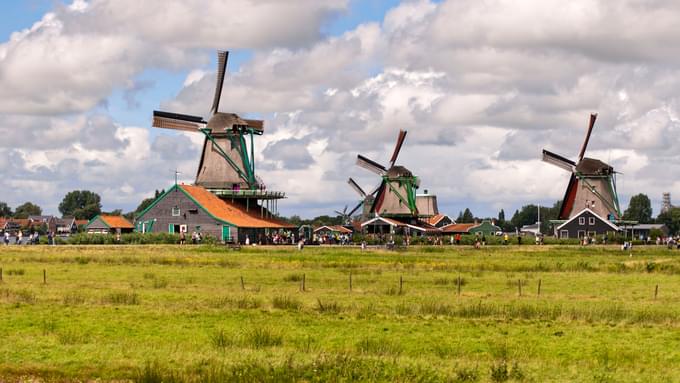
<point>591,124</point>
<point>371,165</point>
<point>222,58</point>
<point>558,161</point>
<point>176,121</point>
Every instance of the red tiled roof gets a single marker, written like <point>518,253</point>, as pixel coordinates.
<point>459,227</point>
<point>116,221</point>
<point>232,212</point>
<point>80,222</point>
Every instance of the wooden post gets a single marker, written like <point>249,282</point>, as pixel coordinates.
<point>0,274</point>
<point>44,277</point>
<point>302,286</point>
<point>243,286</point>
<point>519,287</point>
<point>539,287</point>
<point>350,281</point>
<point>458,283</point>
<point>401,284</point>
<point>656,291</point>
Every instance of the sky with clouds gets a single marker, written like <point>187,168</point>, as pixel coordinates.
<point>481,87</point>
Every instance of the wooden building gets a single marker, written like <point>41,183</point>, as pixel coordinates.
<point>186,208</point>
<point>109,224</point>
<point>486,227</point>
<point>585,223</point>
<point>440,220</point>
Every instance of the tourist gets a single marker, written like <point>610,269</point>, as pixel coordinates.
<point>457,238</point>
<point>505,238</point>
<point>519,240</point>
<point>49,238</point>
<point>182,238</point>
<point>248,240</point>
<point>194,239</point>
<point>483,239</point>
<point>6,238</point>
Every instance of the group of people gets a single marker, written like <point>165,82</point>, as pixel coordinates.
<point>332,239</point>
<point>196,238</point>
<point>32,239</point>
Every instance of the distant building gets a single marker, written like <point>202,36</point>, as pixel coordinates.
<point>332,230</point>
<point>644,230</point>
<point>440,220</point>
<point>384,225</point>
<point>186,208</point>
<point>108,224</point>
<point>486,227</point>
<point>585,223</point>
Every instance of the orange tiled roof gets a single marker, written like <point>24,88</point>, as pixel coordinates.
<point>435,219</point>
<point>459,227</point>
<point>116,221</point>
<point>231,212</point>
<point>80,222</point>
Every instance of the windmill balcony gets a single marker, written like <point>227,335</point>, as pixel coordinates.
<point>248,193</point>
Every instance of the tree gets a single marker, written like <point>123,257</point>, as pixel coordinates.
<point>5,210</point>
<point>81,204</point>
<point>671,218</point>
<point>501,216</point>
<point>26,209</point>
<point>639,209</point>
<point>466,217</point>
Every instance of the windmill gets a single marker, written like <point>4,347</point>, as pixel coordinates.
<point>396,194</point>
<point>227,163</point>
<point>592,184</point>
<point>366,201</point>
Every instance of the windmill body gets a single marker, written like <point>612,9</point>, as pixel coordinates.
<point>592,184</point>
<point>227,162</point>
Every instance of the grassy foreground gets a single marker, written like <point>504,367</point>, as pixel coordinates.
<point>169,313</point>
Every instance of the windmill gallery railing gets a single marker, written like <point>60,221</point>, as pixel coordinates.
<point>248,193</point>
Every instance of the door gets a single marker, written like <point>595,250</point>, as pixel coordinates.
<point>226,233</point>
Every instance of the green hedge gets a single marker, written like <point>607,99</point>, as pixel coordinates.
<point>125,239</point>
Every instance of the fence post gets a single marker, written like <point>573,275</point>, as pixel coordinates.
<point>458,283</point>
<point>302,285</point>
<point>656,291</point>
<point>401,284</point>
<point>519,287</point>
<point>243,286</point>
<point>0,274</point>
<point>539,287</point>
<point>350,281</point>
<point>44,277</point>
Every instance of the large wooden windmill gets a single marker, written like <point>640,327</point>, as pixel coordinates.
<point>396,194</point>
<point>227,164</point>
<point>592,184</point>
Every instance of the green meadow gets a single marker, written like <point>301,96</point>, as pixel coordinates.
<point>428,314</point>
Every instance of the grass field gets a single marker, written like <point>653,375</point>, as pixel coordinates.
<point>169,313</point>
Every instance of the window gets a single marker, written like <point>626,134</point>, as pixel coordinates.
<point>581,220</point>
<point>581,233</point>
<point>175,211</point>
<point>183,228</point>
<point>591,221</point>
<point>564,234</point>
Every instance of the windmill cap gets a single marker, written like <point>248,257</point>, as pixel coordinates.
<point>399,171</point>
<point>592,166</point>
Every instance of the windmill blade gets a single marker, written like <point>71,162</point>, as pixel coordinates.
<point>356,187</point>
<point>344,211</point>
<point>339,213</point>
<point>222,57</point>
<point>585,142</point>
<point>351,212</point>
<point>371,165</point>
<point>558,161</point>
<point>176,121</point>
<point>397,148</point>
